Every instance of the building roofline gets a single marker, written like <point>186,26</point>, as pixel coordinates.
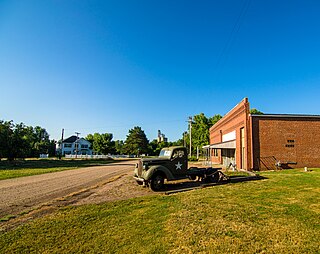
<point>286,115</point>
<point>244,100</point>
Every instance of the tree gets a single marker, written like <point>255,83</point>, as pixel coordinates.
<point>41,142</point>
<point>102,143</point>
<point>200,131</point>
<point>119,146</point>
<point>213,120</point>
<point>155,147</point>
<point>6,131</point>
<point>21,141</point>
<point>256,111</point>
<point>136,142</point>
<point>20,146</point>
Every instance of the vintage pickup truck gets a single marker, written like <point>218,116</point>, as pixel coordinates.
<point>172,164</point>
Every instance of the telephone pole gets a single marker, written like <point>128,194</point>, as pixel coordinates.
<point>190,134</point>
<point>77,133</point>
<point>61,144</point>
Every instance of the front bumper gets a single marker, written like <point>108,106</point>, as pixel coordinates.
<point>141,180</point>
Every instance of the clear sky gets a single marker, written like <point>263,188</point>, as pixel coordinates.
<point>107,66</point>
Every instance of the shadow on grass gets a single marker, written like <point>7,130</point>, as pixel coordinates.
<point>187,185</point>
<point>51,163</point>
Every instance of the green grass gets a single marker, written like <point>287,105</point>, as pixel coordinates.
<point>18,168</point>
<point>277,215</point>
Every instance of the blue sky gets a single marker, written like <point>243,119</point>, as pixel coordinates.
<point>107,66</point>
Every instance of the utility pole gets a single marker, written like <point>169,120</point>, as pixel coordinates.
<point>190,133</point>
<point>61,144</point>
<point>77,133</point>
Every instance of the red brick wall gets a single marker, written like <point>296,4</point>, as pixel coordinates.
<point>236,119</point>
<point>271,135</point>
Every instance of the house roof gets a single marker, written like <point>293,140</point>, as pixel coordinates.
<point>70,139</point>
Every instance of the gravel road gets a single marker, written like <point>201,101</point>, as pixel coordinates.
<point>20,194</point>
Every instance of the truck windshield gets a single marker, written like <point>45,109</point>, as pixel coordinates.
<point>165,153</point>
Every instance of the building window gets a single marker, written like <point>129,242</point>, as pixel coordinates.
<point>290,143</point>
<point>67,145</point>
<point>84,146</point>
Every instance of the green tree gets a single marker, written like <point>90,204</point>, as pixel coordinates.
<point>102,143</point>
<point>119,146</point>
<point>6,132</point>
<point>155,147</point>
<point>200,131</point>
<point>21,141</point>
<point>136,142</point>
<point>52,148</point>
<point>255,111</point>
<point>41,140</point>
<point>213,120</point>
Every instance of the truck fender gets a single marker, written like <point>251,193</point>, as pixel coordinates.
<point>159,169</point>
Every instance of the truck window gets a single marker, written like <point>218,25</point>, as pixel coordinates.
<point>178,154</point>
<point>165,153</point>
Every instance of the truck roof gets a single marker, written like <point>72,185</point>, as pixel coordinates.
<point>173,147</point>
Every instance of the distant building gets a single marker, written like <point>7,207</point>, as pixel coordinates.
<point>74,145</point>
<point>161,137</point>
<point>265,141</point>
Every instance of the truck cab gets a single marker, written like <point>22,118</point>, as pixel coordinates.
<point>171,164</point>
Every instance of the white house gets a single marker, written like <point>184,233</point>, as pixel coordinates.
<point>75,145</point>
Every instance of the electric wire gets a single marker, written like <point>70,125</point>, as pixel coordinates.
<point>222,58</point>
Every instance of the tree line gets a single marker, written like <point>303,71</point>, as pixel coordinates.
<point>137,143</point>
<point>22,141</point>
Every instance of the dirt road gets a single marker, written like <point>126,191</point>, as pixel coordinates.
<point>27,193</point>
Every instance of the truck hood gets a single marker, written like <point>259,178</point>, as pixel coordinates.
<point>155,161</point>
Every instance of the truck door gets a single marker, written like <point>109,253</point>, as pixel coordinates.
<point>179,162</point>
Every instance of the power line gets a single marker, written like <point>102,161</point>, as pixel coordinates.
<point>235,30</point>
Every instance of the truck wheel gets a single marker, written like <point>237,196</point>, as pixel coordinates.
<point>193,177</point>
<point>214,178</point>
<point>157,183</point>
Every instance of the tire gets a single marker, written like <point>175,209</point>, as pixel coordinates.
<point>193,177</point>
<point>214,178</point>
<point>157,182</point>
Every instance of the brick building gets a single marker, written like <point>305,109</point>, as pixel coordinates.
<point>265,141</point>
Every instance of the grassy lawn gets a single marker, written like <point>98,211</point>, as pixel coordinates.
<point>280,214</point>
<point>40,166</point>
